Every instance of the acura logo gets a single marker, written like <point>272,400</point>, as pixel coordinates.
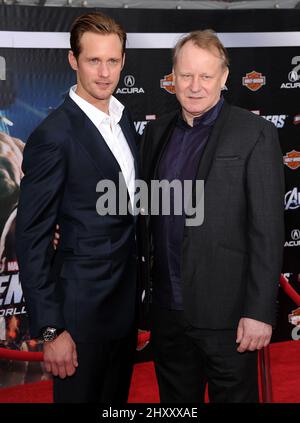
<point>129,81</point>
<point>293,76</point>
<point>295,234</point>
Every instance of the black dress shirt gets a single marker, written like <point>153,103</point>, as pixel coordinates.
<point>180,160</point>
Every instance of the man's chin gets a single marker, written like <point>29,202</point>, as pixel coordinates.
<point>196,113</point>
<point>102,96</point>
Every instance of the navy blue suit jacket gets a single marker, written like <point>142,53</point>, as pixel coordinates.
<point>88,286</point>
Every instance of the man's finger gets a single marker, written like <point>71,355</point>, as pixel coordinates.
<point>239,335</point>
<point>62,372</point>
<point>47,366</point>
<point>70,369</point>
<point>261,343</point>
<point>75,360</point>
<point>267,341</point>
<point>54,369</point>
<point>253,345</point>
<point>244,344</point>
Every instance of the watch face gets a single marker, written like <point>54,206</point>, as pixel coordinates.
<point>49,334</point>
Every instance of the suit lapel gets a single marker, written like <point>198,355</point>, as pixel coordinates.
<point>86,133</point>
<point>130,135</point>
<point>160,140</point>
<point>212,143</point>
<point>209,153</point>
<point>161,136</point>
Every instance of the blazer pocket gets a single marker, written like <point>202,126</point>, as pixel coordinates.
<point>229,162</point>
<point>227,158</point>
<point>89,269</point>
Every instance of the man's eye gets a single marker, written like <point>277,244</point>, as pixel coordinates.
<point>94,61</point>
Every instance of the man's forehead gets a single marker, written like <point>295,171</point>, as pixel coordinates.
<point>89,39</point>
<point>191,59</point>
<point>199,50</point>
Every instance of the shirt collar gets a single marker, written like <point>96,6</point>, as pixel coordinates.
<point>207,119</point>
<point>95,115</point>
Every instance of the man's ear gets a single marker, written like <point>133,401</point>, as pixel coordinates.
<point>123,61</point>
<point>173,72</point>
<point>72,60</point>
<point>225,76</point>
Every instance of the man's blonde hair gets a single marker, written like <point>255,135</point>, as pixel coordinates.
<point>206,39</point>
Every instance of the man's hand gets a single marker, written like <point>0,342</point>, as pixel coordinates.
<point>252,334</point>
<point>60,356</point>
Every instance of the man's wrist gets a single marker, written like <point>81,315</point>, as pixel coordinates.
<point>50,333</point>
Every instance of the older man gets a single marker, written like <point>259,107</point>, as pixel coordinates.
<point>215,284</point>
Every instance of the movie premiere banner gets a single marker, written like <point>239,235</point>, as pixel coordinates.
<point>264,49</point>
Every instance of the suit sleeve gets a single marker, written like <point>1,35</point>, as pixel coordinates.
<point>265,196</point>
<point>42,188</point>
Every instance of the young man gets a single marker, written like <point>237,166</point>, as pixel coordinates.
<point>81,300</point>
<point>215,284</point>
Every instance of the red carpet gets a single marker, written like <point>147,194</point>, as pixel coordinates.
<point>285,370</point>
<point>144,385</point>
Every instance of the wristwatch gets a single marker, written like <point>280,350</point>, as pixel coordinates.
<point>49,333</point>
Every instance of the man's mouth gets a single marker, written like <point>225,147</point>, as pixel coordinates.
<point>103,84</point>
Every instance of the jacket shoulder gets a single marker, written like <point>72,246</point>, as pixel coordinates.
<point>160,125</point>
<point>243,129</point>
<point>52,128</point>
<point>242,117</point>
<point>165,119</point>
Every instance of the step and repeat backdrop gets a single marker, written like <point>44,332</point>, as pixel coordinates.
<point>264,49</point>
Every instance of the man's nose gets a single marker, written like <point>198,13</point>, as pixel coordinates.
<point>103,70</point>
<point>195,85</point>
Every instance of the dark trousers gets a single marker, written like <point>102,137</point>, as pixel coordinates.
<point>186,358</point>
<point>103,374</point>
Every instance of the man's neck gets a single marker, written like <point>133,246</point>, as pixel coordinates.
<point>189,119</point>
<point>102,105</point>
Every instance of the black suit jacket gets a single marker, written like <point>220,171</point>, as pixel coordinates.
<point>89,285</point>
<point>230,265</point>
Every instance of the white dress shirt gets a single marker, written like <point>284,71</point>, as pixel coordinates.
<point>109,128</point>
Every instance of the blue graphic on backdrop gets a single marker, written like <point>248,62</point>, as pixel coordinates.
<point>35,84</point>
